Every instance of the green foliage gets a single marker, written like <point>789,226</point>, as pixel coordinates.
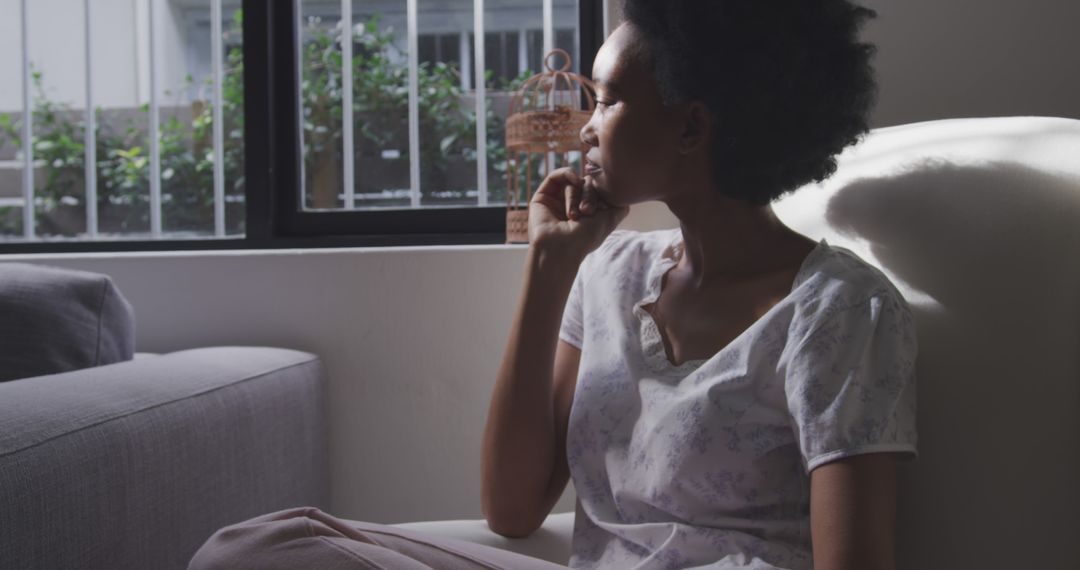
<point>447,126</point>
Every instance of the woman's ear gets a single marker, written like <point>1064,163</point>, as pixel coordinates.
<point>697,126</point>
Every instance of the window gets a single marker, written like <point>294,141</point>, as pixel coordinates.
<point>119,124</point>
<point>216,124</point>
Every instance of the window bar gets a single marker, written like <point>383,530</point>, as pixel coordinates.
<point>90,136</point>
<point>217,53</point>
<point>27,132</point>
<point>155,134</point>
<point>414,103</point>
<point>607,24</point>
<point>523,49</point>
<point>466,61</point>
<point>481,105</point>
<point>299,17</point>
<point>549,44</point>
<point>346,103</point>
<point>549,36</point>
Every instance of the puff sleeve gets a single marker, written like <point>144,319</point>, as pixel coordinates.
<point>850,383</point>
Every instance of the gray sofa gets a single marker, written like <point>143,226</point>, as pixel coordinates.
<point>134,464</point>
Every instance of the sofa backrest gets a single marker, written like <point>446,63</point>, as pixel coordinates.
<point>977,221</point>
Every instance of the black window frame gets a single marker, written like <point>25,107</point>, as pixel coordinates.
<point>272,163</point>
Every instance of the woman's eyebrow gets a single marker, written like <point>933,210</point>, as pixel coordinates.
<point>607,86</point>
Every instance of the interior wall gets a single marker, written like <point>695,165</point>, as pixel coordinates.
<point>942,59</point>
<point>976,58</point>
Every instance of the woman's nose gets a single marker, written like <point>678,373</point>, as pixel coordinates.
<point>588,132</point>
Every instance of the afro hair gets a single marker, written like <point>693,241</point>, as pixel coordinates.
<point>788,82</point>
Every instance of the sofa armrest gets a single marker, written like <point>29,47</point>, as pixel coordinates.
<point>135,464</point>
<point>550,542</point>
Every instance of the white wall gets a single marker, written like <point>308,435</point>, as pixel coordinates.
<point>976,58</point>
<point>409,337</point>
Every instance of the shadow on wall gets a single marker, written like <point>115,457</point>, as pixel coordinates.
<point>997,245</point>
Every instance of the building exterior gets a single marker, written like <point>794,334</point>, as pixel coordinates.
<point>120,37</point>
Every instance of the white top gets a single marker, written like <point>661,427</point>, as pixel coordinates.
<point>705,465</point>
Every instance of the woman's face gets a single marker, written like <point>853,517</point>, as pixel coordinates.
<point>632,136</point>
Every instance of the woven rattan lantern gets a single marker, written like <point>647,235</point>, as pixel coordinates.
<point>543,133</point>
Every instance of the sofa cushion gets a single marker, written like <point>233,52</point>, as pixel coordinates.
<point>57,320</point>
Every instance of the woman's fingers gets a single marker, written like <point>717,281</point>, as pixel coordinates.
<point>587,192</point>
<point>553,195</point>
<point>567,208</point>
<point>569,196</point>
<point>573,200</point>
<point>555,183</point>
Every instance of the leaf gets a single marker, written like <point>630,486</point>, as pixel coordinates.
<point>447,142</point>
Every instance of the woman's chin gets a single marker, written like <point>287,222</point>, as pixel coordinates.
<point>608,194</point>
<point>599,184</point>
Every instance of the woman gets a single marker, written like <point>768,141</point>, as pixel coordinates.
<point>729,394</point>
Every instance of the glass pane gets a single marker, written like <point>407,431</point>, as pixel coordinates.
<point>187,122</point>
<point>565,23</point>
<point>320,103</point>
<point>565,15</point>
<point>11,159</point>
<point>120,33</point>
<point>121,92</point>
<point>232,89</point>
<point>447,159</point>
<point>513,42</point>
<point>56,91</point>
<point>447,107</point>
<point>379,105</point>
<point>520,22</point>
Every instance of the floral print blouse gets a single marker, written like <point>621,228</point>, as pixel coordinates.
<point>706,464</point>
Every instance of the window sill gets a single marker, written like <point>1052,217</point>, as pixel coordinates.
<point>238,247</point>
<point>440,241</point>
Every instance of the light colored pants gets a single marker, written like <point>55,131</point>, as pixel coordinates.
<point>306,537</point>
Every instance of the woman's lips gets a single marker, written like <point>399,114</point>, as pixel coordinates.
<point>591,168</point>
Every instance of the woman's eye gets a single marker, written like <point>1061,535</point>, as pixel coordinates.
<point>601,103</point>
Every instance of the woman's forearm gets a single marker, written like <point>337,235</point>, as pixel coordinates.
<point>519,446</point>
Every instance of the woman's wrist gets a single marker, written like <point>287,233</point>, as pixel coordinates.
<point>558,258</point>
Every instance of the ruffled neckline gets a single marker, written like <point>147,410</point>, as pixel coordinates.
<point>653,342</point>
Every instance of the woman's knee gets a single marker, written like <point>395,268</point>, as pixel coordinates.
<point>256,542</point>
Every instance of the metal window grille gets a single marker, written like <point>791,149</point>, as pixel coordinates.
<point>151,10</point>
<point>473,63</point>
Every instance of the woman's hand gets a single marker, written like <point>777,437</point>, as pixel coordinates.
<point>566,215</point>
